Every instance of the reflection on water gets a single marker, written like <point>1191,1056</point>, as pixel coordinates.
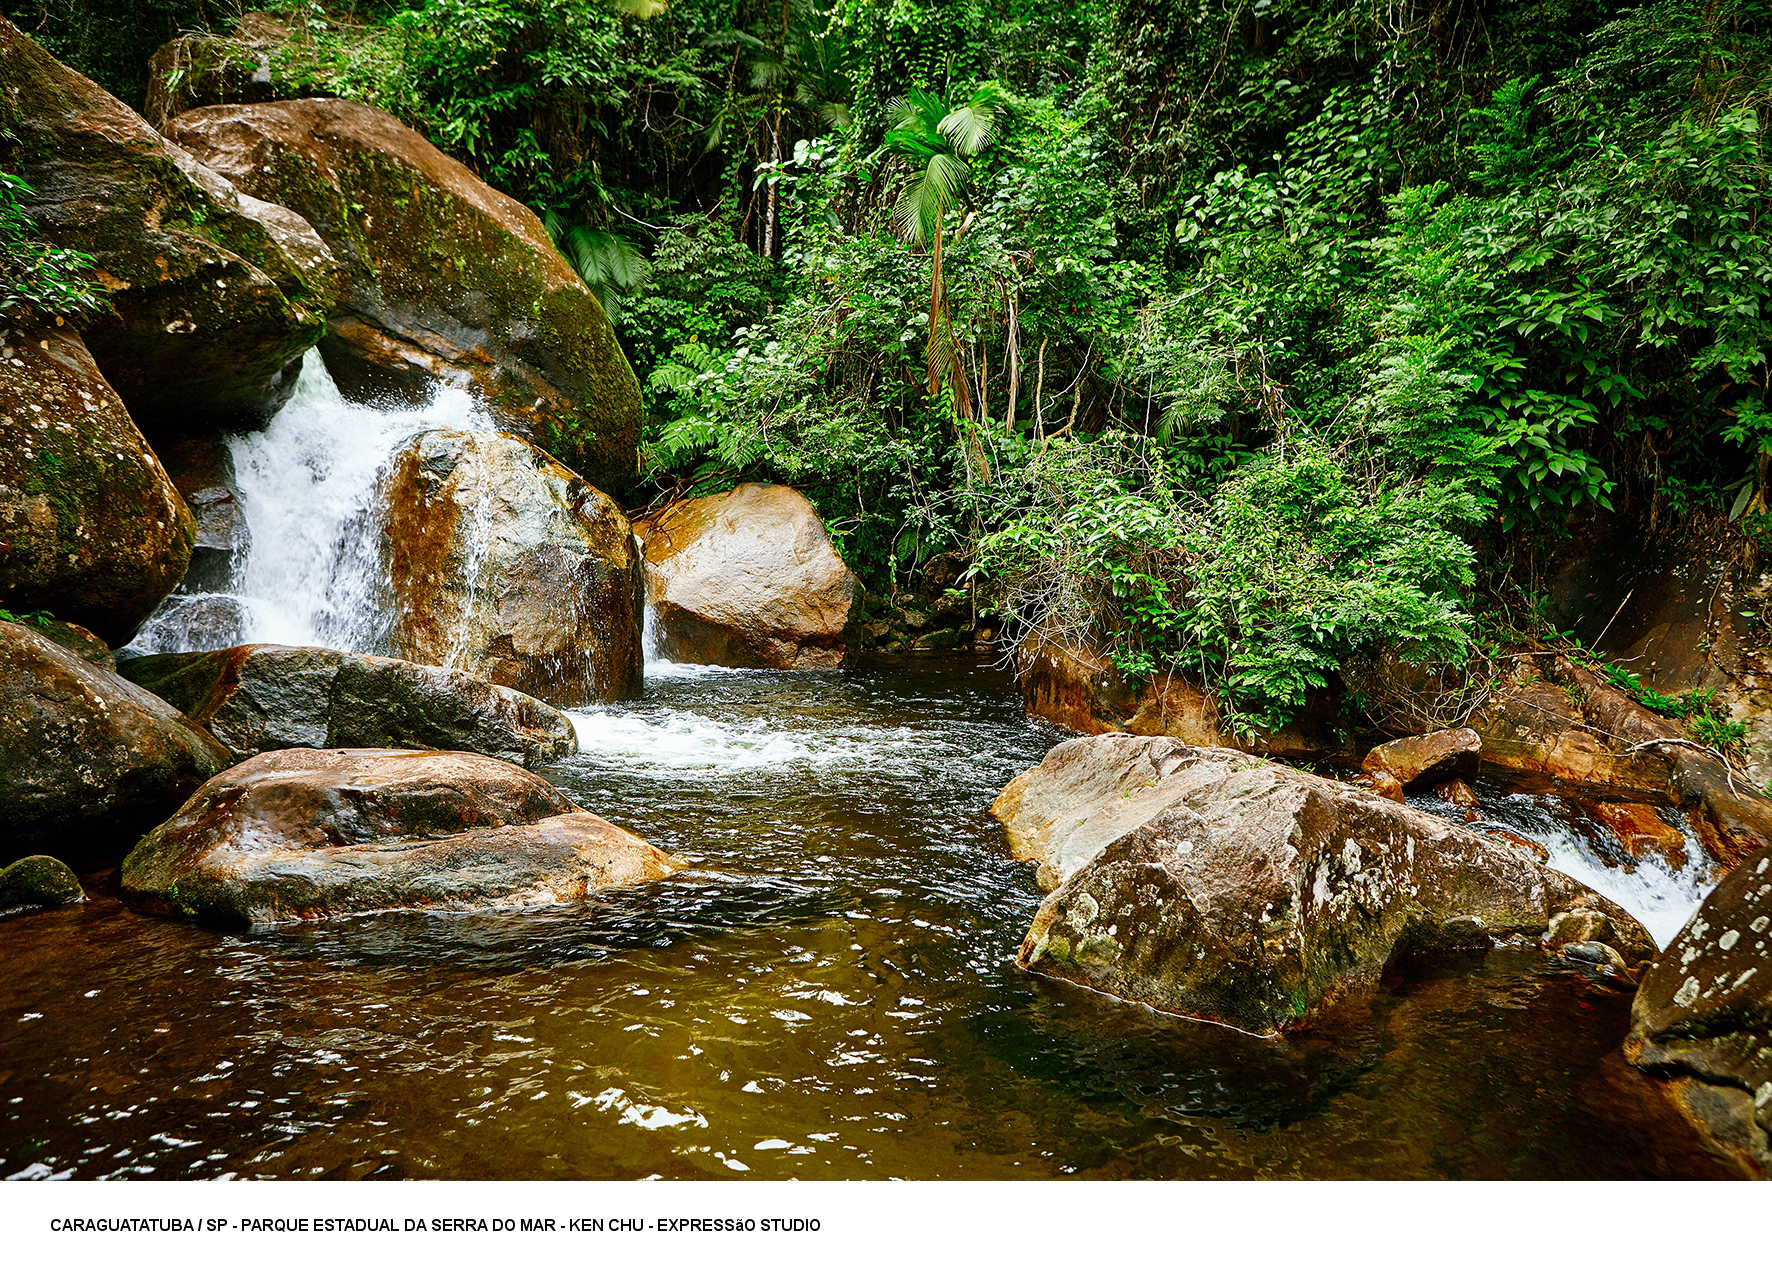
<point>829,992</point>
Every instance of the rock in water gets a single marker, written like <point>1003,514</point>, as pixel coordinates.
<point>508,566</point>
<point>37,881</point>
<point>1207,883</point>
<point>298,834</point>
<point>448,278</point>
<point>262,697</point>
<point>91,528</point>
<point>214,295</point>
<point>1703,1016</point>
<point>88,761</point>
<point>749,578</point>
<point>1450,753</point>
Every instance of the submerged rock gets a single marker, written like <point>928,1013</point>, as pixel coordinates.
<point>88,761</point>
<point>1207,883</point>
<point>260,697</point>
<point>299,834</point>
<point>1702,1017</point>
<point>508,566</point>
<point>37,881</point>
<point>448,278</point>
<point>1448,754</point>
<point>91,528</point>
<point>214,295</point>
<point>749,578</point>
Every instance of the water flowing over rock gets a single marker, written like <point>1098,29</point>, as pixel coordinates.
<point>37,881</point>
<point>1207,883</point>
<point>262,697</point>
<point>1703,1016</point>
<point>91,529</point>
<point>299,834</point>
<point>214,294</point>
<point>448,278</point>
<point>508,566</point>
<point>88,761</point>
<point>748,578</point>
<point>1555,719</point>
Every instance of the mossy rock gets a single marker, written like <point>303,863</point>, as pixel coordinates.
<point>449,280</point>
<point>213,296</point>
<point>91,528</point>
<point>37,881</point>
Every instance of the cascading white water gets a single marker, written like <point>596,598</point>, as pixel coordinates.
<point>314,573</point>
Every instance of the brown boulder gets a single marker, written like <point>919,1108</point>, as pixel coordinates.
<point>260,697</point>
<point>749,578</point>
<point>1458,794</point>
<point>299,834</point>
<point>448,278</point>
<point>1206,883</point>
<point>1450,753</point>
<point>1702,1017</point>
<point>88,761</point>
<point>506,565</point>
<point>214,295</point>
<point>1640,829</point>
<point>91,529</point>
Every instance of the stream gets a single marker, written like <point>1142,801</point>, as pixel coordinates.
<point>829,991</point>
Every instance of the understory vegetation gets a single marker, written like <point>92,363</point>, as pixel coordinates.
<point>1234,338</point>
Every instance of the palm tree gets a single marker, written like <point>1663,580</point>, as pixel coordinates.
<point>935,138</point>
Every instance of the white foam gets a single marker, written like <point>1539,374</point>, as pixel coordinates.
<point>1660,897</point>
<point>683,741</point>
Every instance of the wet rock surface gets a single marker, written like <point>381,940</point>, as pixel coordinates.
<point>88,761</point>
<point>300,834</point>
<point>1448,754</point>
<point>749,578</point>
<point>91,528</point>
<point>1207,883</point>
<point>1703,1016</point>
<point>37,881</point>
<point>510,567</point>
<point>214,294</point>
<point>448,279</point>
<point>260,697</point>
<point>1558,720</point>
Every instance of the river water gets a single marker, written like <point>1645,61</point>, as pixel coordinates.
<point>828,993</point>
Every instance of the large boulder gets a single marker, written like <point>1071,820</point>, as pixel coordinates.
<point>260,697</point>
<point>749,578</point>
<point>88,761</point>
<point>1207,883</point>
<point>213,295</point>
<point>508,566</point>
<point>448,278</point>
<point>298,834</point>
<point>1703,1016</point>
<point>91,529</point>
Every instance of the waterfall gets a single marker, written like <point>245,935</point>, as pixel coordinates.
<point>314,573</point>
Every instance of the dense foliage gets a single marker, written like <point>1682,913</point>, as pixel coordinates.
<point>1235,338</point>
